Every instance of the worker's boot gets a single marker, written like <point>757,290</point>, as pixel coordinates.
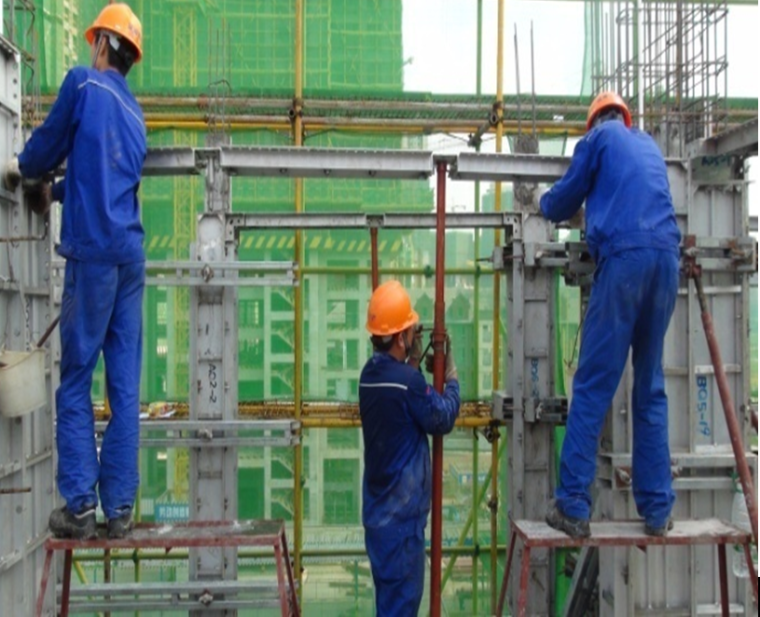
<point>573,527</point>
<point>78,526</point>
<point>120,526</point>
<point>658,531</point>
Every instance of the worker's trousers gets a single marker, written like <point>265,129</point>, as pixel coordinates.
<point>632,300</point>
<point>397,556</point>
<point>101,310</point>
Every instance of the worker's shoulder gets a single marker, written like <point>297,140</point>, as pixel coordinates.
<point>79,75</point>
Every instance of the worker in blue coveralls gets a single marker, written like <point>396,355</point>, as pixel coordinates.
<point>97,126</point>
<point>398,411</point>
<point>634,240</point>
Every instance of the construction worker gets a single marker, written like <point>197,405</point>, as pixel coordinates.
<point>398,411</point>
<point>633,238</point>
<point>97,126</point>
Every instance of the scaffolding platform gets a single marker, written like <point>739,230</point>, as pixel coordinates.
<point>535,534</point>
<point>185,596</point>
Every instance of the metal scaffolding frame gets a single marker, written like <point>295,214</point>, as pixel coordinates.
<point>297,120</point>
<point>528,252</point>
<point>219,233</point>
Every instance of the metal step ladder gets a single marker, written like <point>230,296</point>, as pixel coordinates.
<point>185,596</point>
<point>534,534</point>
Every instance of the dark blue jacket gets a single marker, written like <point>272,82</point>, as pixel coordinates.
<point>621,174</point>
<point>98,125</point>
<point>398,411</point>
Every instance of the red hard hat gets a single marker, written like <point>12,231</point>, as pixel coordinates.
<point>602,102</point>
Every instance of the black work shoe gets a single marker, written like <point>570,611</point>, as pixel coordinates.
<point>120,526</point>
<point>658,531</point>
<point>573,527</point>
<point>65,524</point>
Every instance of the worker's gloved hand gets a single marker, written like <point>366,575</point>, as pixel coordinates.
<point>451,367</point>
<point>537,194</point>
<point>11,174</point>
<point>450,371</point>
<point>38,196</point>
<point>415,353</point>
<point>577,221</point>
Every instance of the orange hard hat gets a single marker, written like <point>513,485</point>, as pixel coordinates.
<point>604,100</point>
<point>390,310</point>
<point>119,19</point>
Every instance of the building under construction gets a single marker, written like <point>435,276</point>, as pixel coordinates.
<point>290,169</point>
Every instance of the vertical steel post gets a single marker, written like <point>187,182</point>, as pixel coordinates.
<point>213,486</point>
<point>495,360</point>
<point>439,337</point>
<point>734,431</point>
<point>298,305</point>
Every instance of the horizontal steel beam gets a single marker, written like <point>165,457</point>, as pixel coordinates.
<point>172,161</point>
<point>327,163</point>
<point>306,220</point>
<point>106,606</point>
<point>740,141</point>
<point>144,589</point>
<point>508,167</point>
<point>213,433</point>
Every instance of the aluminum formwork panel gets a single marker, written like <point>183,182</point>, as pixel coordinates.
<point>26,442</point>
<point>530,357</point>
<point>214,375</point>
<point>709,201</point>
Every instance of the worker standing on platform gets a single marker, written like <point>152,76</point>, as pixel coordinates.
<point>97,126</point>
<point>633,238</point>
<point>398,411</point>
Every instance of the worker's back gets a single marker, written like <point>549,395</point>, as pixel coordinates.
<point>396,452</point>
<point>622,176</point>
<point>629,204</point>
<point>97,125</point>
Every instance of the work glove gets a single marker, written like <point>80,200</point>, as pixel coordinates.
<point>11,175</point>
<point>578,219</point>
<point>415,353</point>
<point>450,371</point>
<point>539,192</point>
<point>38,196</point>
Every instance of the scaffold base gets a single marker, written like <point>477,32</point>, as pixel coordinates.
<point>534,534</point>
<point>185,596</point>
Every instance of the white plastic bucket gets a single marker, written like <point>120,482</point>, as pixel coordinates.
<point>22,382</point>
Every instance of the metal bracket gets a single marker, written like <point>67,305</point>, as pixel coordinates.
<point>549,410</point>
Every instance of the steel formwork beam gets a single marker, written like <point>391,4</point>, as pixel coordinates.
<point>509,167</point>
<point>739,141</point>
<point>327,163</point>
<point>320,220</point>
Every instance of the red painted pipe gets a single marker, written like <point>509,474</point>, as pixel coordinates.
<point>439,337</point>
<point>373,245</point>
<point>728,408</point>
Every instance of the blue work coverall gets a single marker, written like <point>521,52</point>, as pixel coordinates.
<point>398,411</point>
<point>98,127</point>
<point>633,237</point>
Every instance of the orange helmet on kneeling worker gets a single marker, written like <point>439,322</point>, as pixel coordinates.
<point>119,19</point>
<point>390,310</point>
<point>605,100</point>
